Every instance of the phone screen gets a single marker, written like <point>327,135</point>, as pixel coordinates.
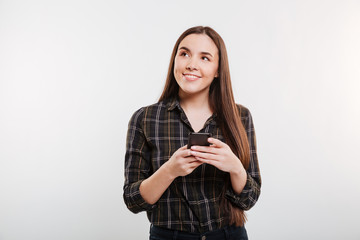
<point>198,139</point>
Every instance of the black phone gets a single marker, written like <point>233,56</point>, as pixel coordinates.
<point>198,139</point>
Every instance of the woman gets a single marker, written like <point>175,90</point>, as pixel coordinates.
<point>201,192</point>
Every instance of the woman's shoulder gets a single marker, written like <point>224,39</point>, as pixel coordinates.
<point>245,115</point>
<point>151,110</point>
<point>243,111</point>
<point>156,106</point>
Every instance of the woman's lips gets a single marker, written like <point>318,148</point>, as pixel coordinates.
<point>191,77</point>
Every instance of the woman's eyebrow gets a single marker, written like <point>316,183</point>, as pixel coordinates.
<point>203,53</point>
<point>185,48</point>
<point>206,53</point>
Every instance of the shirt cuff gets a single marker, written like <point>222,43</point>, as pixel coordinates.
<point>240,199</point>
<point>138,199</point>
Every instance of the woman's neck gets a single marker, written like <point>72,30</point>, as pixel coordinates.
<point>197,102</point>
<point>196,108</point>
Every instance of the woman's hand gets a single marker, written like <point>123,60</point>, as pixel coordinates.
<point>181,163</point>
<point>219,154</point>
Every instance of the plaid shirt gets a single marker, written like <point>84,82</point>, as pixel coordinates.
<point>190,203</point>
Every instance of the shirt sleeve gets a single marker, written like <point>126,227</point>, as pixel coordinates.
<point>251,192</point>
<point>137,164</point>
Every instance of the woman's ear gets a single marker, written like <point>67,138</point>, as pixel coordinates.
<point>216,75</point>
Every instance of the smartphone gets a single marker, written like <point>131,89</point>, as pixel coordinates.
<point>198,139</point>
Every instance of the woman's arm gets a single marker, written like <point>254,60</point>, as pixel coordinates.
<point>137,164</point>
<point>251,191</point>
<point>245,184</point>
<point>142,188</point>
<point>180,164</point>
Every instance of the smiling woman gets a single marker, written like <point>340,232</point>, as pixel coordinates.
<point>202,191</point>
<point>196,65</point>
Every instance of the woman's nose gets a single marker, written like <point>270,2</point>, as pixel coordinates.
<point>192,65</point>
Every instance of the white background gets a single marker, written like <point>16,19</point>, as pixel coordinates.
<point>73,72</point>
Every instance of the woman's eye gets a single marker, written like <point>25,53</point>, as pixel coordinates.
<point>184,54</point>
<point>205,58</point>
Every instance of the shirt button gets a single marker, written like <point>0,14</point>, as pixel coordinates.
<point>203,238</point>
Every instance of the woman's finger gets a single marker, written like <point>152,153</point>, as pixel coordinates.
<point>205,155</point>
<point>195,164</point>
<point>184,152</point>
<point>191,159</point>
<point>183,147</point>
<point>216,142</point>
<point>208,161</point>
<point>212,150</point>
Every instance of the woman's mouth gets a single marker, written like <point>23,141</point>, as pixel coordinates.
<point>191,77</point>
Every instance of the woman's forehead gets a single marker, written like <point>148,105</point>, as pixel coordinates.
<point>198,43</point>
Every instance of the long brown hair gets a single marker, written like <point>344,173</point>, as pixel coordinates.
<point>222,102</point>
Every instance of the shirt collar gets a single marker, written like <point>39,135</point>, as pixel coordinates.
<point>173,103</point>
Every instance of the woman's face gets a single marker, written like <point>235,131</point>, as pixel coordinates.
<point>196,64</point>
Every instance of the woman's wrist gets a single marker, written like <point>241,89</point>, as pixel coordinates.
<point>238,169</point>
<point>238,177</point>
<point>167,170</point>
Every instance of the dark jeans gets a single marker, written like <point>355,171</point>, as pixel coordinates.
<point>226,233</point>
